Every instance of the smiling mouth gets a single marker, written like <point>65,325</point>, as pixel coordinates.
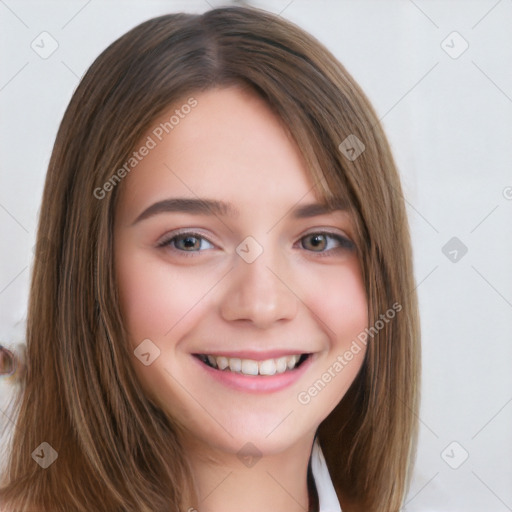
<point>251,367</point>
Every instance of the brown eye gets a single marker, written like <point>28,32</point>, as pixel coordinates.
<point>187,243</point>
<point>316,242</point>
<point>324,242</point>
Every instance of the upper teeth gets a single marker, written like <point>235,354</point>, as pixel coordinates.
<point>252,367</point>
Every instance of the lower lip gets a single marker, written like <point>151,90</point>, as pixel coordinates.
<point>257,383</point>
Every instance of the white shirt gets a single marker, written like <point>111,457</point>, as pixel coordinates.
<point>327,499</point>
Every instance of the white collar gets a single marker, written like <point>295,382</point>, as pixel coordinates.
<point>327,498</point>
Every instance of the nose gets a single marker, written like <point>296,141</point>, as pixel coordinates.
<point>258,293</point>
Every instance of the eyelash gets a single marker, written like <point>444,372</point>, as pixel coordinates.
<point>167,242</point>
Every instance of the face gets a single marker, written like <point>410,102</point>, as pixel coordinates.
<point>238,294</point>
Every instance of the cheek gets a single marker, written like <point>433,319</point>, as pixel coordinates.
<point>338,300</point>
<point>157,303</point>
<point>155,298</point>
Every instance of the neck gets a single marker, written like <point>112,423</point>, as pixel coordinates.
<point>227,483</point>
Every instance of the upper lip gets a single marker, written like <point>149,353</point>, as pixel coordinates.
<point>255,356</point>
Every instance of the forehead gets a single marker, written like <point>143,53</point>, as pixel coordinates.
<point>230,145</point>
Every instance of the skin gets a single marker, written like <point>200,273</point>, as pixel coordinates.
<point>301,294</point>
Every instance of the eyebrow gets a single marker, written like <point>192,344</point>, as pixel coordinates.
<point>221,208</point>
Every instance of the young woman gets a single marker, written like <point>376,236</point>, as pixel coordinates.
<point>224,318</point>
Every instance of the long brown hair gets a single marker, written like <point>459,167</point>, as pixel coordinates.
<point>116,450</point>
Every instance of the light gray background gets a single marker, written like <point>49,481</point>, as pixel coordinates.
<point>448,117</point>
